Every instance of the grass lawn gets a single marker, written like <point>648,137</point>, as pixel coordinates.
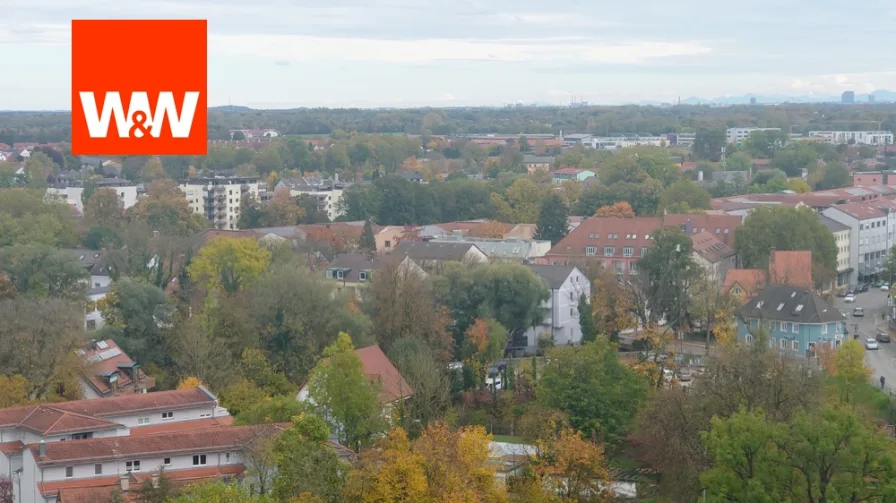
<point>508,439</point>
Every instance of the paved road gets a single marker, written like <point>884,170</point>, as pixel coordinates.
<point>882,361</point>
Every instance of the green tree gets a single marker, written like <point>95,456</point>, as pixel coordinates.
<point>41,271</point>
<point>160,490</point>
<point>685,194</point>
<point>305,464</point>
<point>344,394</point>
<point>104,209</point>
<point>220,492</point>
<point>795,158</point>
<point>763,144</point>
<point>586,320</point>
<point>785,228</point>
<point>708,143</point>
<point>553,220</point>
<point>135,313</point>
<point>665,275</point>
<point>738,161</point>
<point>229,264</point>
<point>368,240</point>
<point>834,175</point>
<point>599,394</point>
<point>38,168</point>
<point>25,218</point>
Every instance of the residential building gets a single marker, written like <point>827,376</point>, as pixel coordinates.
<point>737,135</point>
<point>681,139</point>
<point>352,271</point>
<point>218,198</point>
<point>873,178</point>
<point>872,226</point>
<point>560,322</point>
<point>791,268</point>
<point>508,250</point>
<point>841,234</point>
<point>855,137</point>
<point>534,163</point>
<point>744,283</point>
<point>93,318</point>
<point>573,139</point>
<point>256,133</point>
<point>96,262</point>
<point>795,321</point>
<point>379,369</point>
<point>127,193</point>
<point>571,174</point>
<point>414,176</point>
<point>431,256</point>
<point>713,256</point>
<point>627,140</point>
<point>110,372</point>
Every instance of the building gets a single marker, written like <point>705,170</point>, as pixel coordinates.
<point>560,323</point>
<point>431,256</point>
<point>841,239</point>
<point>218,198</point>
<point>715,257</point>
<point>573,139</point>
<point>874,178</point>
<point>795,321</point>
<point>534,163</point>
<point>854,137</point>
<point>848,97</point>
<point>352,271</point>
<point>744,283</point>
<point>327,192</point>
<point>127,193</point>
<point>110,372</point>
<point>791,268</point>
<point>681,139</point>
<point>737,135</point>
<point>871,231</point>
<point>506,250</point>
<point>570,174</point>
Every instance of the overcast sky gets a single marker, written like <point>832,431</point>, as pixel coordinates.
<point>366,53</point>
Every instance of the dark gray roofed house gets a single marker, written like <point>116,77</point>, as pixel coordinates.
<point>430,255</point>
<point>351,270</point>
<point>833,225</point>
<point>553,275</point>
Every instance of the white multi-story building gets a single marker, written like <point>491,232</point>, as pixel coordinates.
<point>218,199</point>
<point>841,239</point>
<point>127,194</point>
<point>561,319</point>
<point>855,137</point>
<point>625,141</point>
<point>736,135</point>
<point>872,225</point>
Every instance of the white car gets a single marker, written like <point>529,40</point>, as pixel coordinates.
<point>849,299</point>
<point>871,344</point>
<point>885,287</point>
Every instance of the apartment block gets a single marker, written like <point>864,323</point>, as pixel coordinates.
<point>218,198</point>
<point>854,137</point>
<point>736,135</point>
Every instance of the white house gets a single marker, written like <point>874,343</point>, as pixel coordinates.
<point>841,239</point>
<point>872,227</point>
<point>739,134</point>
<point>561,321</point>
<point>856,137</point>
<point>127,195</point>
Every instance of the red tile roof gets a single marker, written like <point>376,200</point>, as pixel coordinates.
<point>108,359</point>
<point>722,226</point>
<point>688,166</point>
<point>50,420</point>
<point>8,448</point>
<point>863,210</point>
<point>709,247</point>
<point>92,490</point>
<point>601,232</point>
<point>178,426</point>
<point>566,171</point>
<point>793,268</point>
<point>185,442</point>
<point>378,368</point>
<point>749,280</point>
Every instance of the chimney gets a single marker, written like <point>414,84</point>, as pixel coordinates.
<point>125,483</point>
<point>43,449</point>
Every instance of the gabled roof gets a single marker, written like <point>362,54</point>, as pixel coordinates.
<point>377,367</point>
<point>833,225</point>
<point>553,275</point>
<point>428,250</point>
<point>45,420</point>
<point>792,268</point>
<point>709,247</point>
<point>353,263</point>
<point>786,303</point>
<point>750,280</point>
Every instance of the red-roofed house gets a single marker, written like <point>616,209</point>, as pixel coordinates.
<point>111,372</point>
<point>792,268</point>
<point>714,256</point>
<point>744,283</point>
<point>378,368</point>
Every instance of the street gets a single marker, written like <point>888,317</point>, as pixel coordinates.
<point>883,360</point>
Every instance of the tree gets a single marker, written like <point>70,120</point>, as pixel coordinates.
<point>426,375</point>
<point>38,169</point>
<point>484,343</point>
<point>220,492</point>
<point>785,228</point>
<point>25,218</point>
<point>13,392</point>
<point>573,468</point>
<point>610,305</point>
<point>553,220</point>
<point>620,210</point>
<point>229,264</point>
<point>104,209</point>
<point>135,313</point>
<point>305,464</point>
<point>165,209</point>
<point>684,196</point>
<point>6,490</point>
<point>851,367</point>
<point>189,382</point>
<point>708,305</point>
<point>492,229</point>
<point>799,186</point>
<point>665,275</point>
<point>37,271</point>
<point>391,471</point>
<point>154,490</point>
<point>738,162</point>
<point>708,144</point>
<point>763,144</point>
<point>283,210</point>
<point>344,395</point>
<point>600,395</point>
<point>586,320</point>
<point>833,175</point>
<point>152,170</point>
<point>368,240</point>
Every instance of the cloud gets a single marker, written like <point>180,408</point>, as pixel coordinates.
<point>447,97</point>
<point>282,62</point>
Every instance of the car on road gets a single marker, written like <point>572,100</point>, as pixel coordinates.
<point>850,299</point>
<point>883,337</point>
<point>684,375</point>
<point>864,288</point>
<point>841,293</point>
<point>885,287</point>
<point>858,312</point>
<point>878,283</point>
<point>871,344</point>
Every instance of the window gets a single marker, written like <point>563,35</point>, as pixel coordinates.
<point>571,297</point>
<point>227,457</point>
<point>824,328</point>
<point>796,328</point>
<point>69,472</point>
<point>785,327</point>
<point>608,251</point>
<point>199,460</point>
<point>82,436</point>
<point>780,306</point>
<point>783,342</point>
<point>388,244</point>
<point>91,324</point>
<point>98,469</point>
<point>362,275</point>
<point>329,274</point>
<point>166,461</point>
<point>749,338</point>
<point>628,251</point>
<point>771,342</point>
<point>796,345</point>
<point>142,420</point>
<point>572,312</point>
<point>590,251</point>
<point>167,415</point>
<point>205,414</point>
<point>798,308</point>
<point>644,251</point>
<point>132,466</point>
<point>340,275</point>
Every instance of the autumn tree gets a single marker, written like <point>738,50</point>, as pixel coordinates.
<point>165,209</point>
<point>620,209</point>
<point>427,376</point>
<point>573,468</point>
<point>344,395</point>
<point>610,305</point>
<point>189,382</point>
<point>220,492</point>
<point>851,367</point>
<point>484,343</point>
<point>104,209</point>
<point>306,464</point>
<point>491,229</point>
<point>391,471</point>
<point>283,210</point>
<point>152,170</point>
<point>709,306</point>
<point>229,264</point>
<point>14,391</point>
<point>553,220</point>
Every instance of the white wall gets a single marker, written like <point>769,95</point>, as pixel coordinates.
<point>72,195</point>
<point>562,322</point>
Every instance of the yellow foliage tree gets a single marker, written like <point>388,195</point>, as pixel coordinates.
<point>610,305</point>
<point>152,170</point>
<point>229,264</point>
<point>189,382</point>
<point>851,367</point>
<point>13,391</point>
<point>573,468</point>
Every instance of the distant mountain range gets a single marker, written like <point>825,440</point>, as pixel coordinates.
<point>880,96</point>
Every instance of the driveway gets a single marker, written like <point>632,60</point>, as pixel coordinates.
<point>883,360</point>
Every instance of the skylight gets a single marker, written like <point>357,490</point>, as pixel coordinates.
<point>780,306</point>
<point>798,308</point>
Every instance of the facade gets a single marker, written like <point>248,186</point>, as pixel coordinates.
<point>796,322</point>
<point>841,234</point>
<point>351,272</point>
<point>871,235</point>
<point>855,137</point>
<point>715,257</point>
<point>127,194</point>
<point>570,174</point>
<point>627,140</point>
<point>873,178</point>
<point>737,135</point>
<point>218,199</point>
<point>561,311</point>
<point>534,163</point>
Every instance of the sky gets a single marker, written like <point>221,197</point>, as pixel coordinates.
<point>441,53</point>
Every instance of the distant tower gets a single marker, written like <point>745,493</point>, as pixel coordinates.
<point>870,98</point>
<point>848,97</point>
<point>753,100</point>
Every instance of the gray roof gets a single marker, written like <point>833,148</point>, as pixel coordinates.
<point>553,275</point>
<point>353,263</point>
<point>430,250</point>
<point>494,248</point>
<point>782,303</point>
<point>288,232</point>
<point>577,136</point>
<point>833,225</point>
<point>537,159</point>
<point>95,261</point>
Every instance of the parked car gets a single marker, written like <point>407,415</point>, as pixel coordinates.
<point>885,287</point>
<point>850,298</point>
<point>864,288</point>
<point>684,375</point>
<point>858,312</point>
<point>841,293</point>
<point>871,344</point>
<point>851,291</point>
<point>883,337</point>
<point>878,283</point>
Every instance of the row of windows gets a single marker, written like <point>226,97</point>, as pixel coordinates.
<point>134,465</point>
<point>609,251</point>
<point>166,416</point>
<point>782,343</point>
